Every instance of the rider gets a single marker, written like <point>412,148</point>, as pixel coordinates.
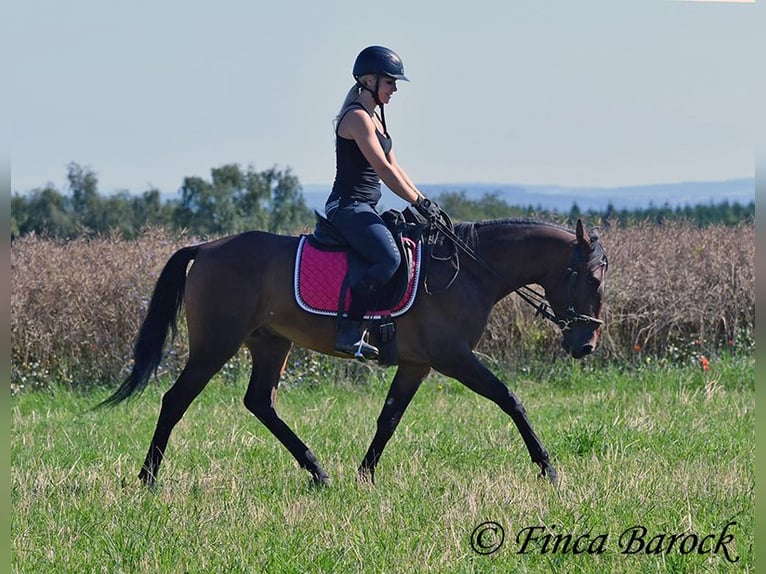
<point>363,158</point>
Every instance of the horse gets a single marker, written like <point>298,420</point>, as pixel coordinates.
<point>237,292</point>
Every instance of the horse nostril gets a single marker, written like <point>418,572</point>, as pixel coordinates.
<point>587,349</point>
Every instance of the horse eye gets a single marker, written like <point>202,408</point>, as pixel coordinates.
<point>594,282</point>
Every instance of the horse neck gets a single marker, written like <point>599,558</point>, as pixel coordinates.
<point>524,253</point>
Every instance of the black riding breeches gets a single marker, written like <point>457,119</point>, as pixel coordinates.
<point>364,229</point>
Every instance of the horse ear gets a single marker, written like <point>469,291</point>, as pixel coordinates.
<point>582,239</point>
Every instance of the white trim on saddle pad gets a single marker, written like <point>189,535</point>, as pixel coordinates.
<point>303,304</point>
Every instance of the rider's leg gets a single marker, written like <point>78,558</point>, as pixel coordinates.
<point>366,232</point>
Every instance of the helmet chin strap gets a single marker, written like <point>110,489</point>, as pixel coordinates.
<point>377,101</point>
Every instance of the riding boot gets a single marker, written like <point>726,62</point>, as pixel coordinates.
<point>350,340</point>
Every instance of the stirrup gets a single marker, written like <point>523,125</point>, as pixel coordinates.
<point>364,351</point>
<point>359,349</point>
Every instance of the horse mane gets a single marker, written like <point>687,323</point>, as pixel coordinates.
<point>468,232</point>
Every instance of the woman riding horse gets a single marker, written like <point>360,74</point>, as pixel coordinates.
<point>234,290</point>
<point>364,156</point>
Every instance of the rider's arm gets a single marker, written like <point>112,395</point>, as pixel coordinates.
<point>400,169</point>
<point>359,126</point>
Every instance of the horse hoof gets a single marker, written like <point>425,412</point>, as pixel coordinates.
<point>365,476</point>
<point>148,479</point>
<point>547,471</point>
<point>320,481</point>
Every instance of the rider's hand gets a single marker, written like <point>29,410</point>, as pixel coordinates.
<point>428,209</point>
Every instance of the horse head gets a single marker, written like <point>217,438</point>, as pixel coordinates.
<point>577,298</point>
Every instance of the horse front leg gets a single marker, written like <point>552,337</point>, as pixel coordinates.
<point>404,386</point>
<point>467,369</point>
<point>269,353</point>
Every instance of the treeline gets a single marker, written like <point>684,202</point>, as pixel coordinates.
<point>236,199</point>
<point>460,207</point>
<point>232,200</point>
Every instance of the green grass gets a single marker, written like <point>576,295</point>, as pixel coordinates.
<point>668,449</point>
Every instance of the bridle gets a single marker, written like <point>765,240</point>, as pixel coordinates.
<point>536,299</point>
<point>571,316</point>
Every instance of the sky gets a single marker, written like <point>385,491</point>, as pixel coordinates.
<point>592,93</point>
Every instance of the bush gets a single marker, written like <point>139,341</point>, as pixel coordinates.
<point>76,306</point>
<point>674,292</point>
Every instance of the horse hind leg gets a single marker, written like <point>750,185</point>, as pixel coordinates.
<point>199,369</point>
<point>269,352</point>
<point>404,386</point>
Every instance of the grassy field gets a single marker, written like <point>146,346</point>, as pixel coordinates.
<point>669,450</point>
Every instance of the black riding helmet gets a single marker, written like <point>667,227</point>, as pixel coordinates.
<point>380,61</point>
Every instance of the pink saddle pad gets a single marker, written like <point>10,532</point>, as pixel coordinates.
<point>319,278</point>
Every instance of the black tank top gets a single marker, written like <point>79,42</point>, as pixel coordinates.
<point>355,180</point>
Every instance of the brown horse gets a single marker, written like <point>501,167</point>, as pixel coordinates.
<point>238,291</point>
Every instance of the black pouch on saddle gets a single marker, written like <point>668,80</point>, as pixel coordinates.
<point>408,223</point>
<point>385,331</point>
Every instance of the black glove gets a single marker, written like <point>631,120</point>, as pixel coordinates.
<point>428,209</point>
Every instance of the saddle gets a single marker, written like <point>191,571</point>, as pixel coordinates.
<point>326,266</point>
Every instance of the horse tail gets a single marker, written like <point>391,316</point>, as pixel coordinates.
<point>166,302</point>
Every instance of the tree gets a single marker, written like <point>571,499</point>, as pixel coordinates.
<point>223,205</point>
<point>288,211</point>
<point>18,214</point>
<point>83,185</point>
<point>44,211</point>
<point>196,212</point>
<point>252,202</point>
<point>574,213</point>
<point>150,211</point>
<point>235,201</point>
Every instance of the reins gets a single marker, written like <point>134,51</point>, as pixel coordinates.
<point>534,298</point>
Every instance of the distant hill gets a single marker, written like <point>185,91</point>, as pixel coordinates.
<point>560,198</point>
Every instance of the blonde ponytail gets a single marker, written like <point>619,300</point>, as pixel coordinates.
<point>351,97</point>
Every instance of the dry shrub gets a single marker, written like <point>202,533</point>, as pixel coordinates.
<point>675,284</point>
<point>76,306</point>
